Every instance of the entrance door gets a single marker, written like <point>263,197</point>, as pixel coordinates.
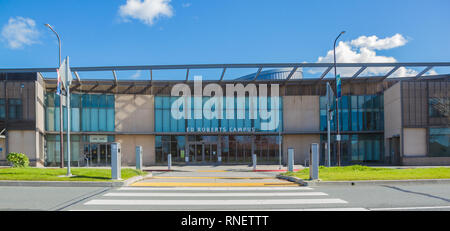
<point>97,154</point>
<point>394,149</point>
<point>105,155</point>
<point>202,153</point>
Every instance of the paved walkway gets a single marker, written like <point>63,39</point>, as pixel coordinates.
<point>222,168</point>
<point>215,176</point>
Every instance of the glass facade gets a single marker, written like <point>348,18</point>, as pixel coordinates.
<point>204,148</point>
<point>439,142</point>
<point>356,148</point>
<point>356,113</point>
<point>164,122</point>
<point>89,113</point>
<point>83,152</point>
<point>207,149</point>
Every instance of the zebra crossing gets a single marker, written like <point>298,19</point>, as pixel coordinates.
<point>215,198</point>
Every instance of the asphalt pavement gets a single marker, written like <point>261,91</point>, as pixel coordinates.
<point>230,190</point>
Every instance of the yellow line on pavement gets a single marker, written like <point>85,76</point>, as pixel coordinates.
<point>209,177</point>
<point>197,184</point>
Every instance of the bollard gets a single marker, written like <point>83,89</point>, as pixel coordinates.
<point>115,161</point>
<point>169,161</point>
<point>314,162</point>
<point>139,157</point>
<point>186,157</point>
<point>254,162</point>
<point>290,159</point>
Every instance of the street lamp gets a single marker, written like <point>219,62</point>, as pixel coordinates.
<point>337,103</point>
<point>60,104</point>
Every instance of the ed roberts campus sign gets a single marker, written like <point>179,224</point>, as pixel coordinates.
<point>213,108</point>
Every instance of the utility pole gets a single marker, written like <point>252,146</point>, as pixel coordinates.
<point>338,137</point>
<point>61,126</point>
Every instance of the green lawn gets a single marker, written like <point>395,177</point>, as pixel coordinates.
<point>358,172</point>
<point>53,174</point>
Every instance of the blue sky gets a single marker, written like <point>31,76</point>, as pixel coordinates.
<point>95,33</point>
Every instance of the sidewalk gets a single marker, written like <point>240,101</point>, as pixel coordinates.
<point>221,168</point>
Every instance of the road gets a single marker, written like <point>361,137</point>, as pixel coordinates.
<point>228,191</point>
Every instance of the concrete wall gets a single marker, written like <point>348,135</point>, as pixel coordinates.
<point>392,114</point>
<point>415,143</point>
<point>301,113</point>
<point>301,145</point>
<point>40,123</point>
<point>129,143</point>
<point>23,142</point>
<point>134,113</point>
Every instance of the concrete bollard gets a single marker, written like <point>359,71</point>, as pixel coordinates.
<point>314,162</point>
<point>169,161</point>
<point>115,161</point>
<point>254,161</point>
<point>139,157</point>
<point>290,159</point>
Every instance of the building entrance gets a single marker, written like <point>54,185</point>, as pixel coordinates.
<point>97,154</point>
<point>203,152</point>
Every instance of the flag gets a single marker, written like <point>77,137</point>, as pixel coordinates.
<point>338,86</point>
<point>58,84</point>
<point>330,97</point>
<point>66,76</point>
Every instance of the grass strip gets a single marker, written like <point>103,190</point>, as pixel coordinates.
<point>54,174</point>
<point>358,172</point>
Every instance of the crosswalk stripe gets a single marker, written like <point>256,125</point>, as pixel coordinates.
<point>141,194</point>
<point>214,188</point>
<point>216,184</point>
<point>217,202</point>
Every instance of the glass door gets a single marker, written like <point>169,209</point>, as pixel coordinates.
<point>102,157</point>
<point>95,157</point>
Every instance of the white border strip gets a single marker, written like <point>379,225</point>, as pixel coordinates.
<point>410,208</point>
<point>227,194</point>
<point>217,202</point>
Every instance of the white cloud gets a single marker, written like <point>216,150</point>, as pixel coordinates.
<point>20,32</point>
<point>362,50</point>
<point>146,11</point>
<point>136,75</point>
<point>186,5</point>
<point>373,42</point>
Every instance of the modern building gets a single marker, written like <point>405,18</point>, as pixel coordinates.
<point>384,120</point>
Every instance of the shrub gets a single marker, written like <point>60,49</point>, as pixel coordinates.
<point>18,160</point>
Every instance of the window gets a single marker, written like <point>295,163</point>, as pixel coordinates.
<point>15,109</point>
<point>356,113</point>
<point>88,112</point>
<point>439,142</point>
<point>164,122</point>
<point>439,107</point>
<point>2,109</point>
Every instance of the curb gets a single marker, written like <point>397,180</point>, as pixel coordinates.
<point>362,182</point>
<point>111,184</point>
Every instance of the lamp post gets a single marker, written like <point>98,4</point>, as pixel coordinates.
<point>60,104</point>
<point>338,138</point>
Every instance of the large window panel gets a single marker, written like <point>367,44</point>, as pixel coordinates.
<point>439,142</point>
<point>2,109</point>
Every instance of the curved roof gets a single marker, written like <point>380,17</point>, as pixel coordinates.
<point>275,74</point>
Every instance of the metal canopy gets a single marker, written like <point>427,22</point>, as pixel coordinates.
<point>360,67</point>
